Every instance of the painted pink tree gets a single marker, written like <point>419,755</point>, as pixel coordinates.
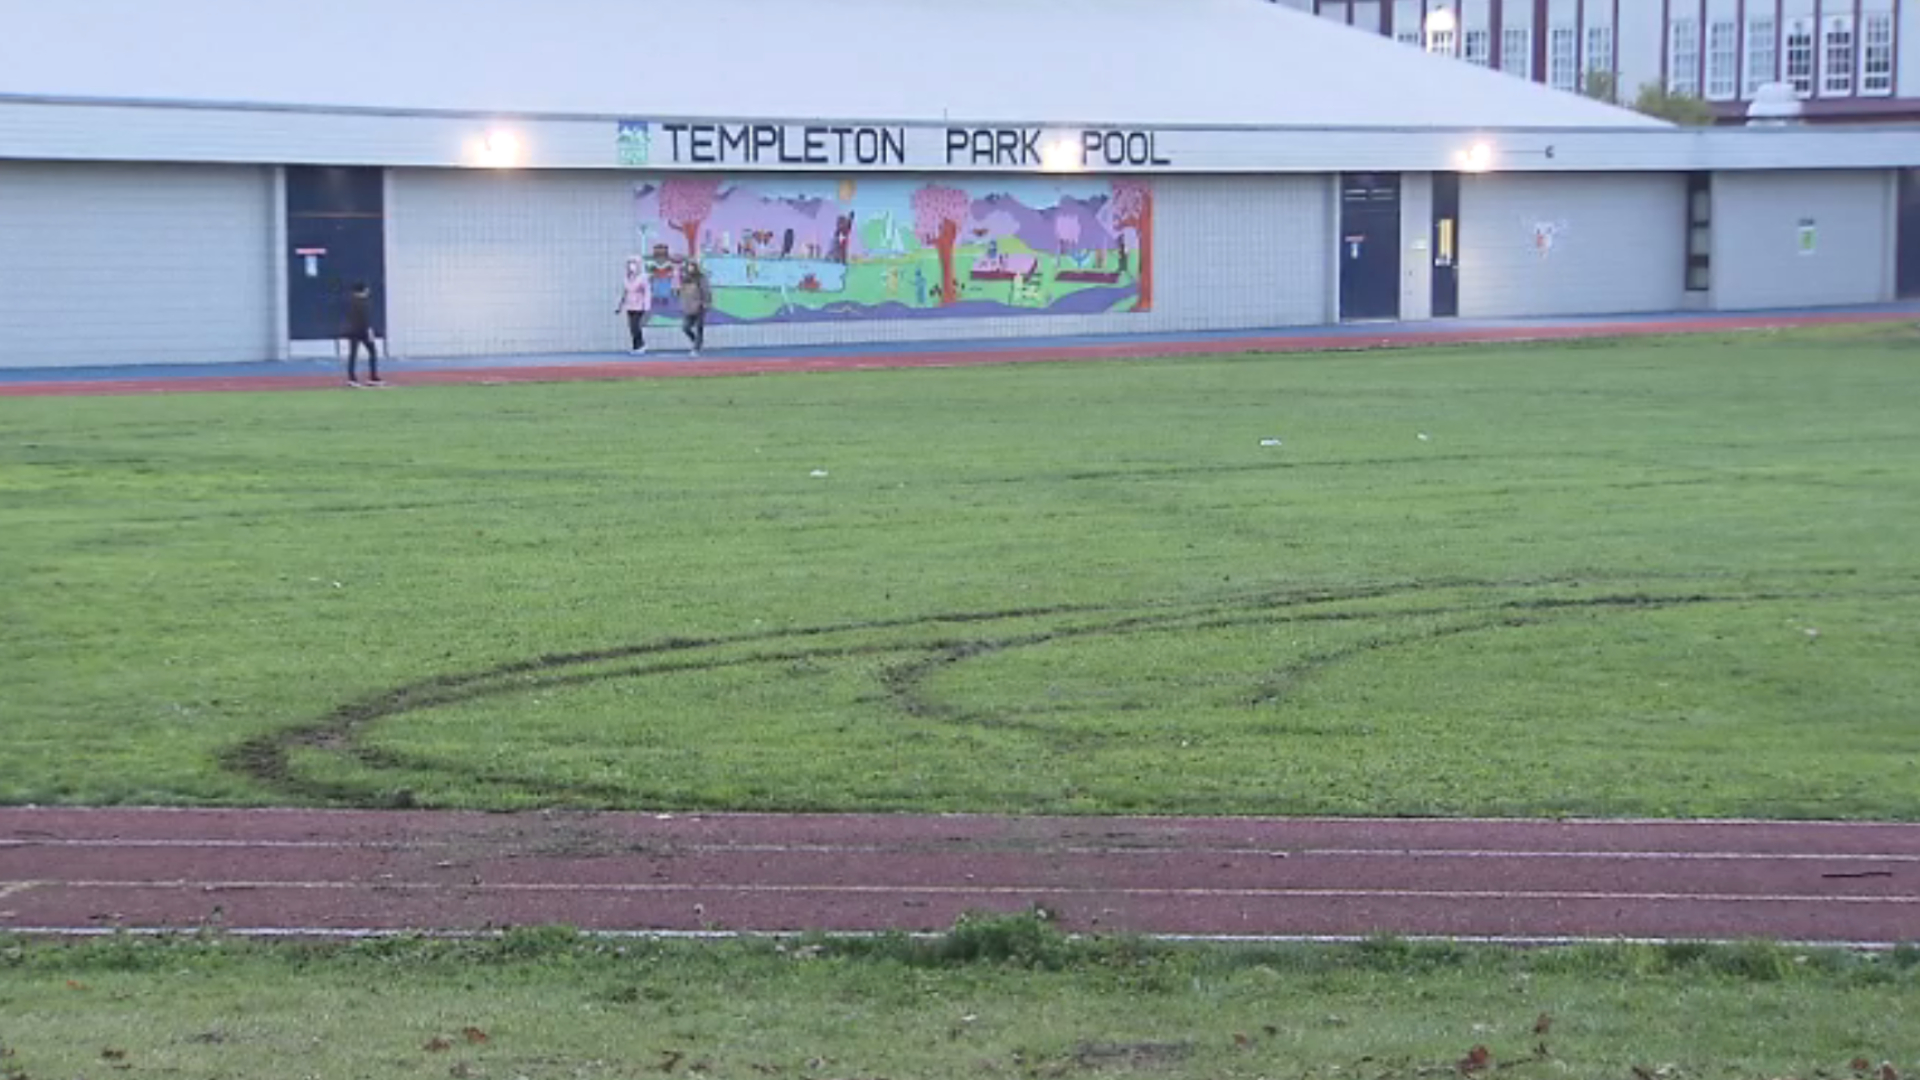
<point>939,213</point>
<point>685,205</point>
<point>1066,229</point>
<point>1132,208</point>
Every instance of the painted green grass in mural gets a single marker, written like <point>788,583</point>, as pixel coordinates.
<point>1659,577</point>
<point>993,999</point>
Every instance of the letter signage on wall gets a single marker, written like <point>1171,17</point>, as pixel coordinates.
<point>754,145</point>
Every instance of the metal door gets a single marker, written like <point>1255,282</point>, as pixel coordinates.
<point>1908,275</point>
<point>336,238</point>
<point>1370,246</point>
<point>1446,245</point>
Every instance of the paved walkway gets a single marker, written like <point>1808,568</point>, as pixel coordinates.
<point>309,873</point>
<point>317,374</point>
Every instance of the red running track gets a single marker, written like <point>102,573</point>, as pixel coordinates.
<point>1388,337</point>
<point>300,872</point>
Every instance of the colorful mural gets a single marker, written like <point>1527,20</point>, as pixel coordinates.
<point>795,249</point>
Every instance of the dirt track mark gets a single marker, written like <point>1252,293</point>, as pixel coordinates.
<point>268,759</point>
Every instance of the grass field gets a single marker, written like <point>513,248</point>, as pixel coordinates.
<point>1654,577</point>
<point>995,999</point>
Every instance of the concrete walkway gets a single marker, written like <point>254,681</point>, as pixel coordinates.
<point>316,374</point>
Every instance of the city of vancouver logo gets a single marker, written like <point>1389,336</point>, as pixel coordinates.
<point>635,142</point>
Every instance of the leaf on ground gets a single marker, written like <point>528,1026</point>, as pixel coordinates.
<point>1543,1025</point>
<point>1477,1059</point>
<point>669,1059</point>
<point>1860,1064</point>
<point>1887,1071</point>
<point>73,985</point>
<point>1241,1040</point>
<point>113,1055</point>
<point>473,1035</point>
<point>437,1044</point>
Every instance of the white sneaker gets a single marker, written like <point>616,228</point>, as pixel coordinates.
<point>641,351</point>
<point>693,352</point>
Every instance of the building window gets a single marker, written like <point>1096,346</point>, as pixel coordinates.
<point>1476,43</point>
<point>1407,37</point>
<point>1876,54</point>
<point>1800,56</point>
<point>1683,57</point>
<point>1699,231</point>
<point>1599,50</point>
<point>1723,60</point>
<point>1836,69</point>
<point>1440,42</point>
<point>1762,58</point>
<point>1563,58</point>
<point>1516,51</point>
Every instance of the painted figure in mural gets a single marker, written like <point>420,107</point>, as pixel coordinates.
<point>636,300</point>
<point>1122,240</point>
<point>696,297</point>
<point>786,244</point>
<point>660,276</point>
<point>358,331</point>
<point>843,239</point>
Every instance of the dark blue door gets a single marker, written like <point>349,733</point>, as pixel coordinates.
<point>336,236</point>
<point>1908,276</point>
<point>1446,245</point>
<point>1370,246</point>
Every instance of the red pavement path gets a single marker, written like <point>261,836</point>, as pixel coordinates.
<point>1389,337</point>
<point>293,871</point>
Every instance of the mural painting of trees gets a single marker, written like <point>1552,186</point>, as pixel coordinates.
<point>938,215</point>
<point>685,204</point>
<point>1132,208</point>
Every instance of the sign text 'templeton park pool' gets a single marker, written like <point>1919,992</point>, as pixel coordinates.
<point>866,146</point>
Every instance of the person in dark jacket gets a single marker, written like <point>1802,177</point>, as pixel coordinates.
<point>696,298</point>
<point>359,331</point>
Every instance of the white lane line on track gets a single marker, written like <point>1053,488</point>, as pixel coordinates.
<point>1520,941</point>
<point>15,888</point>
<point>963,848</point>
<point>663,888</point>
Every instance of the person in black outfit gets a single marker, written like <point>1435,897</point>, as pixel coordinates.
<point>359,331</point>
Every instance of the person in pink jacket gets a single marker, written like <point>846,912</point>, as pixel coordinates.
<point>636,301</point>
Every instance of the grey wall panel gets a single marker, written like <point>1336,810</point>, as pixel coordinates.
<point>132,264</point>
<point>499,263</point>
<point>1611,244</point>
<point>1758,259</point>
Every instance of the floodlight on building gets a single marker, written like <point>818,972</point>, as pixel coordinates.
<point>497,150</point>
<point>1441,21</point>
<point>1475,159</point>
<point>1062,152</point>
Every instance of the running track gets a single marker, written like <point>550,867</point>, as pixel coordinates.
<point>345,872</point>
<point>328,873</point>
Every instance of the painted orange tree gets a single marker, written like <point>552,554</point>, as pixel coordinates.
<point>1132,208</point>
<point>685,205</point>
<point>938,214</point>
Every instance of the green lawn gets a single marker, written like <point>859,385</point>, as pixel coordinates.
<point>994,1000</point>
<point>1652,577</point>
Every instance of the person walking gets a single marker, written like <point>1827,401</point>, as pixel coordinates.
<point>358,332</point>
<point>696,299</point>
<point>636,302</point>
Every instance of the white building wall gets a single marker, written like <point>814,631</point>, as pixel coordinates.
<point>136,264</point>
<point>1907,57</point>
<point>1758,260</point>
<point>1416,258</point>
<point>1617,244</point>
<point>530,263</point>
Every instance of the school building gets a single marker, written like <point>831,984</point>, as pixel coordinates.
<point>201,180</point>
